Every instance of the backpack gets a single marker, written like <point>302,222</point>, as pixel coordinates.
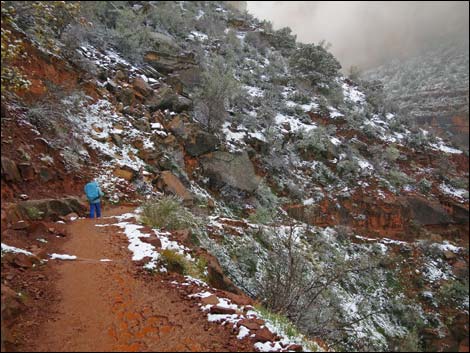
<point>92,192</point>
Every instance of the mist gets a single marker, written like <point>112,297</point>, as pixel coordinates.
<point>367,34</point>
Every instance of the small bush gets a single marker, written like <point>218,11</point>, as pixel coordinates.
<point>261,216</point>
<point>424,186</point>
<point>34,213</point>
<point>454,292</point>
<point>168,213</point>
<point>176,262</point>
<point>391,154</point>
<point>286,326</point>
<point>315,142</point>
<point>398,179</point>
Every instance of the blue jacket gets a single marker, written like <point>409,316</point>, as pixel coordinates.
<point>93,187</point>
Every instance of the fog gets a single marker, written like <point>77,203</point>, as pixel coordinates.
<point>367,34</point>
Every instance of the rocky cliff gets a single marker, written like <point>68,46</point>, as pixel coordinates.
<point>303,185</point>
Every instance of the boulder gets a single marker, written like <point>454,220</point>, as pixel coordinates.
<point>26,171</point>
<point>167,63</point>
<point>10,170</point>
<point>210,300</point>
<point>70,217</point>
<point>154,241</point>
<point>125,173</point>
<point>178,126</point>
<point>425,212</point>
<point>170,183</point>
<point>235,170</point>
<point>201,143</point>
<point>222,310</point>
<point>25,261</point>
<point>117,139</point>
<point>51,208</point>
<point>126,96</point>
<point>167,98</point>
<point>264,335</point>
<point>141,86</point>
<point>295,348</point>
<point>249,324</point>
<point>216,277</point>
<point>111,86</point>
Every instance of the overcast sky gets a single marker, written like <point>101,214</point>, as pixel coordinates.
<point>368,33</point>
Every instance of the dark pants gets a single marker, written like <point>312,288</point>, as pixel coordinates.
<point>93,207</point>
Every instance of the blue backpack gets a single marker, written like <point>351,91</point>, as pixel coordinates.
<point>92,191</point>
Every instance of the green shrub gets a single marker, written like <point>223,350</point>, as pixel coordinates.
<point>424,186</point>
<point>391,154</point>
<point>261,216</point>
<point>217,90</point>
<point>315,141</point>
<point>176,262</point>
<point>167,213</point>
<point>314,63</point>
<point>454,292</point>
<point>33,213</point>
<point>285,325</point>
<point>398,179</point>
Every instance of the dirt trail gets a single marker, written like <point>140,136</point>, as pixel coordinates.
<point>105,306</point>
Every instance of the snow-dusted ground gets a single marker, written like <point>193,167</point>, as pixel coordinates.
<point>62,257</point>
<point>8,248</point>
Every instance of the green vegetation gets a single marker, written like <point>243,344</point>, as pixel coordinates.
<point>168,213</point>
<point>261,216</point>
<point>454,292</point>
<point>176,262</point>
<point>33,213</point>
<point>45,21</point>
<point>398,178</point>
<point>286,326</point>
<point>315,64</point>
<point>217,89</point>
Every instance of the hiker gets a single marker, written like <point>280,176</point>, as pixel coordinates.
<point>94,193</point>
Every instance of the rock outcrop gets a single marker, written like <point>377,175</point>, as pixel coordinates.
<point>235,170</point>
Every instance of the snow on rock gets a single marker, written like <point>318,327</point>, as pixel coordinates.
<point>243,332</point>
<point>294,123</point>
<point>308,202</point>
<point>353,94</point>
<point>8,248</point>
<point>460,194</point>
<point>442,147</point>
<point>141,249</point>
<point>200,36</point>
<point>254,91</point>
<point>235,314</point>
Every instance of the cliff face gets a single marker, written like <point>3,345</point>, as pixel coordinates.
<point>431,89</point>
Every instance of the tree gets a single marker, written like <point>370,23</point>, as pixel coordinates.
<point>283,40</point>
<point>315,64</point>
<point>218,88</point>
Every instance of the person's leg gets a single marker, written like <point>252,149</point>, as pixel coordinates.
<point>92,210</point>
<point>98,209</point>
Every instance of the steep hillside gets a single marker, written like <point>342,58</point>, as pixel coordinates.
<point>431,89</point>
<point>295,186</point>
